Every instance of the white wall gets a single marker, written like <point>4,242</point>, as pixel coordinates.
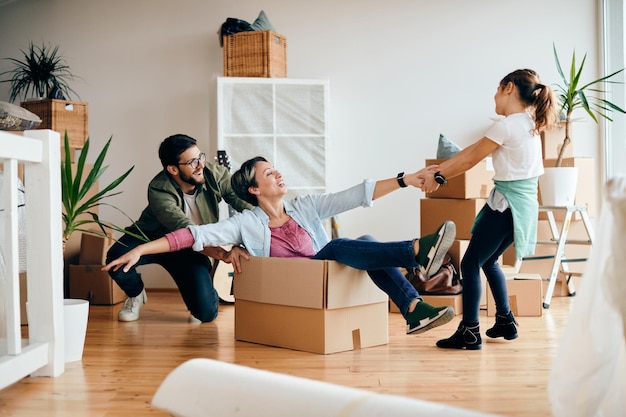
<point>401,72</point>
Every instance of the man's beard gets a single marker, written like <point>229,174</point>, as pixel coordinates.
<point>190,180</point>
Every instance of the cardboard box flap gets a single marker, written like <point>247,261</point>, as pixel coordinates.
<point>287,281</point>
<point>349,287</point>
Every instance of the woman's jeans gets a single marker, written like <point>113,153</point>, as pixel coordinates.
<point>491,236</point>
<point>191,271</point>
<point>381,261</point>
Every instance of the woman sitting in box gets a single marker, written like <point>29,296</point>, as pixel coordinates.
<point>294,228</point>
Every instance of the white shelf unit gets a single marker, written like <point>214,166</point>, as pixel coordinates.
<point>42,354</point>
<point>282,119</point>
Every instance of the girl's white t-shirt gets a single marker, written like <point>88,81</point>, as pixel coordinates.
<point>519,155</point>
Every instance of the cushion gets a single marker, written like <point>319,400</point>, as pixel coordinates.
<point>13,117</point>
<point>446,148</point>
<point>262,23</point>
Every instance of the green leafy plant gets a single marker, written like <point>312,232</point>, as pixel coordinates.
<point>40,70</point>
<point>78,207</point>
<point>573,94</point>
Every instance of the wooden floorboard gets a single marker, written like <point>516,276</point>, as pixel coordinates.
<point>124,363</point>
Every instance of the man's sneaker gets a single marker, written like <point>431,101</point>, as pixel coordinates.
<point>465,337</point>
<point>435,246</point>
<point>132,305</point>
<point>426,317</point>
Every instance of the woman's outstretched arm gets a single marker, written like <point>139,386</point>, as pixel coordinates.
<point>130,258</point>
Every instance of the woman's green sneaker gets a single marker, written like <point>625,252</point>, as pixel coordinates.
<point>434,247</point>
<point>426,317</point>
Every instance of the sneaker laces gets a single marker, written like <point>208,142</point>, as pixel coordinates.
<point>130,303</point>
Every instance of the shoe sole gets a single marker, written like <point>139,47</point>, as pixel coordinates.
<point>442,318</point>
<point>502,336</point>
<point>466,347</point>
<point>447,233</point>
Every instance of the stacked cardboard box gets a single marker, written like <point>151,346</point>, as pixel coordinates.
<point>87,280</point>
<point>459,200</point>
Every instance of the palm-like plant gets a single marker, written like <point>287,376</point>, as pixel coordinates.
<point>78,207</point>
<point>40,70</point>
<point>573,94</point>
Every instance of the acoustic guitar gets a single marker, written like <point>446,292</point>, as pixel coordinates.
<point>222,272</point>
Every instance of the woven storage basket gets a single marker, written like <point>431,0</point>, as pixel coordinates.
<point>255,54</point>
<point>61,115</point>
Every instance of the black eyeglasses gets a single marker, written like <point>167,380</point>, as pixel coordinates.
<point>195,162</point>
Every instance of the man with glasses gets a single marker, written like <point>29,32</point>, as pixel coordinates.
<point>187,191</point>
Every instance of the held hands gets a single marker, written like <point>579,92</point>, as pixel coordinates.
<point>423,179</point>
<point>428,175</point>
<point>234,257</point>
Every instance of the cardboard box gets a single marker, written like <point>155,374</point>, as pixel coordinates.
<point>585,188</point>
<point>560,287</point>
<point>88,282</point>
<point>310,305</point>
<point>476,182</point>
<point>551,141</point>
<point>93,249</point>
<point>525,296</point>
<point>455,301</point>
<point>434,211</point>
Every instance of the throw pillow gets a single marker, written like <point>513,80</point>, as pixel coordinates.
<point>446,148</point>
<point>13,117</point>
<point>262,23</point>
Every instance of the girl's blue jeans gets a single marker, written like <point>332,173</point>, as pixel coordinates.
<point>381,261</point>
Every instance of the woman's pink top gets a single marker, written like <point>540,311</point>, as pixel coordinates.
<point>291,241</point>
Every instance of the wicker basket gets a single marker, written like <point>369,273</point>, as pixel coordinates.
<point>62,115</point>
<point>255,54</point>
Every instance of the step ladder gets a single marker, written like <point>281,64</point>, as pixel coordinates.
<point>560,240</point>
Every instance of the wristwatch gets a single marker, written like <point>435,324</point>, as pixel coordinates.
<point>400,178</point>
<point>440,179</point>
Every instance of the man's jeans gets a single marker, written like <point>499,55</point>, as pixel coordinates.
<point>190,270</point>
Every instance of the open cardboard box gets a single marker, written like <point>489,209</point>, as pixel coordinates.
<point>310,305</point>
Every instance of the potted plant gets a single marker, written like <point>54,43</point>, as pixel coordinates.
<point>41,72</point>
<point>574,94</point>
<point>78,207</point>
<point>79,202</point>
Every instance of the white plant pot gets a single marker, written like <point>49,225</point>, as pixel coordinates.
<point>75,317</point>
<point>557,186</point>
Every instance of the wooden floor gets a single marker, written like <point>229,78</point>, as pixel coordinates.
<point>124,363</point>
